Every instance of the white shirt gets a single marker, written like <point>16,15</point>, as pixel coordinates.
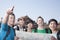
<point>54,35</point>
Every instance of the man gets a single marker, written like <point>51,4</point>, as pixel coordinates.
<point>7,31</point>
<point>53,24</point>
<point>41,28</point>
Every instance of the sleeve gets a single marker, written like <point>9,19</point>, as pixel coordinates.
<point>4,26</point>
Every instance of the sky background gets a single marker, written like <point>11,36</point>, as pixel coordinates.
<point>33,8</point>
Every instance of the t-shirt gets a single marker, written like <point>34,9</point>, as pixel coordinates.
<point>41,31</point>
<point>54,35</point>
<point>3,31</point>
<point>34,30</point>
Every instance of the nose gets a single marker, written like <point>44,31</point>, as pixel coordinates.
<point>52,24</point>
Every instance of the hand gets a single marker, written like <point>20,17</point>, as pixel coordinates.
<point>16,38</point>
<point>10,11</point>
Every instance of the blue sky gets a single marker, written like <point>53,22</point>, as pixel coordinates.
<point>33,8</point>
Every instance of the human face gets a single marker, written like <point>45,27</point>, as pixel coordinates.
<point>40,22</point>
<point>30,25</point>
<point>21,22</point>
<point>53,25</point>
<point>11,20</point>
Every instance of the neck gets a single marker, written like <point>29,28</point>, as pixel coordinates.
<point>29,30</point>
<point>20,26</point>
<point>41,27</point>
<point>10,25</point>
<point>54,31</point>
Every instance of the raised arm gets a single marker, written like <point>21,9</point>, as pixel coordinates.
<point>5,19</point>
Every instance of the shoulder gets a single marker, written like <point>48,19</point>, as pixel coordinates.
<point>58,35</point>
<point>4,26</point>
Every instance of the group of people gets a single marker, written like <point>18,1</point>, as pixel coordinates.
<point>8,26</point>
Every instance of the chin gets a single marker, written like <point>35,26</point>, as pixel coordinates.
<point>12,24</point>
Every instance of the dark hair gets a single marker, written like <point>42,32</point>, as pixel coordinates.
<point>53,20</point>
<point>41,18</point>
<point>12,14</point>
<point>21,18</point>
<point>30,21</point>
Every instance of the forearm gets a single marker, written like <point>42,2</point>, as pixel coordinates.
<point>5,19</point>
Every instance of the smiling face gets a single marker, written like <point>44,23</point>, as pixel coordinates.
<point>52,25</point>
<point>40,21</point>
<point>21,22</point>
<point>11,20</point>
<point>30,25</point>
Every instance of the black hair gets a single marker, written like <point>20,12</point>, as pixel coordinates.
<point>30,21</point>
<point>13,14</point>
<point>53,20</point>
<point>21,18</point>
<point>41,18</point>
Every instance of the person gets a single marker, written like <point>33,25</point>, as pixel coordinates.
<point>53,26</point>
<point>21,24</point>
<point>41,28</point>
<point>20,27</point>
<point>30,26</point>
<point>7,32</point>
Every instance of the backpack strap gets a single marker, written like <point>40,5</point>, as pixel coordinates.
<point>8,32</point>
